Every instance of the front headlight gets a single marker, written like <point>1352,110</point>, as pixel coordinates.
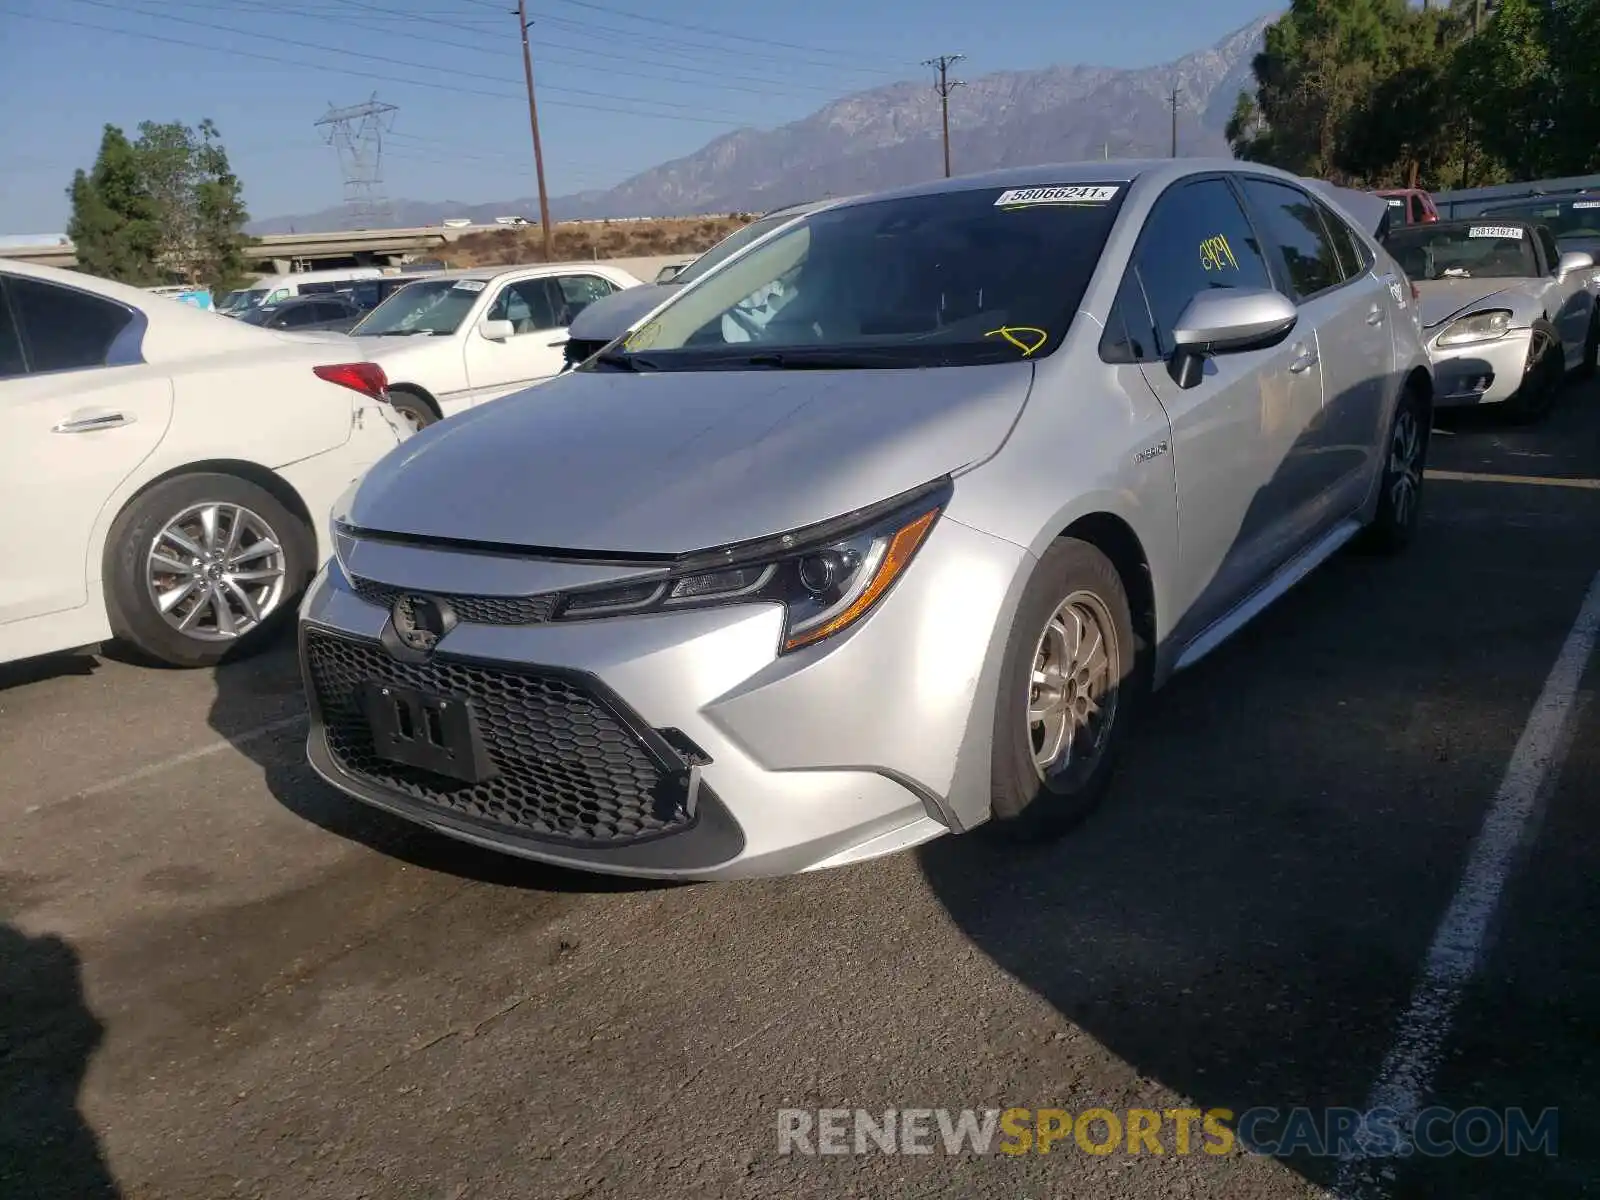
<point>1479,327</point>
<point>827,576</point>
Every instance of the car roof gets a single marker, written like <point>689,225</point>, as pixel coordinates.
<point>1541,197</point>
<point>496,272</point>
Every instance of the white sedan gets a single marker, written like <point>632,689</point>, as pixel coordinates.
<point>462,338</point>
<point>166,473</point>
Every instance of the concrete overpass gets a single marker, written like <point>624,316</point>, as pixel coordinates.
<point>279,253</point>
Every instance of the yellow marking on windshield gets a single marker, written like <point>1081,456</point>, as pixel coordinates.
<point>643,337</point>
<point>1009,332</point>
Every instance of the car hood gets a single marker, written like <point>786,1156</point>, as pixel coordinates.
<point>1441,299</point>
<point>612,316</point>
<point>671,462</point>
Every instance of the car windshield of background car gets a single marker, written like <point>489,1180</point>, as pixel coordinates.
<point>1476,251</point>
<point>432,306</point>
<point>950,278</point>
<point>729,246</point>
<point>1566,218</point>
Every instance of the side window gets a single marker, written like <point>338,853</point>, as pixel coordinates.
<point>65,329</point>
<point>1353,260</point>
<point>1195,238</point>
<point>1129,337</point>
<point>12,362</point>
<point>278,297</point>
<point>526,304</point>
<point>1305,253</point>
<point>578,292</point>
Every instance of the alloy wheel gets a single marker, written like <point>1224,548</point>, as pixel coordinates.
<point>1405,465</point>
<point>216,571</point>
<point>1072,690</point>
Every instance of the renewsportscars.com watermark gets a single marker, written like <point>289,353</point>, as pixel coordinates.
<point>1276,1132</point>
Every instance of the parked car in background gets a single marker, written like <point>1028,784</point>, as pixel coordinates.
<point>367,294</point>
<point>165,477</point>
<point>1505,311</point>
<point>1411,206</point>
<point>312,312</point>
<point>275,289</point>
<point>901,560</point>
<point>608,319</point>
<point>1573,217</point>
<point>461,338</point>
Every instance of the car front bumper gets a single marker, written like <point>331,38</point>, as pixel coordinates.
<point>1484,373</point>
<point>675,745</point>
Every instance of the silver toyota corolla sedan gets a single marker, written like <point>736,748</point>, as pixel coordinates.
<point>1505,312</point>
<point>881,531</point>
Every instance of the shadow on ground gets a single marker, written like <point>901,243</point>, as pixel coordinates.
<point>47,1037</point>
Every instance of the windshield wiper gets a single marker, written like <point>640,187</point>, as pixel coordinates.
<point>824,360</point>
<point>623,362</point>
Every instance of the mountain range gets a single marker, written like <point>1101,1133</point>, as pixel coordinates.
<point>891,136</point>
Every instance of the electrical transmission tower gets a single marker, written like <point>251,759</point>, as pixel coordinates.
<point>944,87</point>
<point>356,133</point>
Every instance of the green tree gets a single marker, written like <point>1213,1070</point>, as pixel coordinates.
<point>200,200</point>
<point>1504,76</point>
<point>115,229</point>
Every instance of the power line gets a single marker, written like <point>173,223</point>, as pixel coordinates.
<point>944,87</point>
<point>391,78</point>
<point>356,134</point>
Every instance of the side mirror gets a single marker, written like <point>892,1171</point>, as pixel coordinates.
<point>1228,321</point>
<point>496,331</point>
<point>669,273</point>
<point>1574,260</point>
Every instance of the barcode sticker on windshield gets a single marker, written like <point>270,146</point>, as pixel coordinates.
<point>1024,197</point>
<point>1496,231</point>
<point>469,285</point>
<point>1586,204</point>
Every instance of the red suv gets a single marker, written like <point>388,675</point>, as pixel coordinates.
<point>1410,206</point>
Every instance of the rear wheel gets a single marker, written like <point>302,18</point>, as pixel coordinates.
<point>203,567</point>
<point>413,409</point>
<point>1542,376</point>
<point>1068,691</point>
<point>1400,487</point>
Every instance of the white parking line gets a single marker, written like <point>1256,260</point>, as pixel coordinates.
<point>178,760</point>
<point>1408,1069</point>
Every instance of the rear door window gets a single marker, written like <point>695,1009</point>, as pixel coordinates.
<point>1303,251</point>
<point>65,329</point>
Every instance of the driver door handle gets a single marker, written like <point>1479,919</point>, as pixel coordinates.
<point>1305,359</point>
<point>88,422</point>
<point>1375,315</point>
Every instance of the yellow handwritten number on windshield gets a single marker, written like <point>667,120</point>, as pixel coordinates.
<point>1027,338</point>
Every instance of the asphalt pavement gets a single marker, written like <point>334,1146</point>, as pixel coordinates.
<point>218,978</point>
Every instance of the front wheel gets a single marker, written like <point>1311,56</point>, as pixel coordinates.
<point>1542,376</point>
<point>1068,689</point>
<point>1400,487</point>
<point>203,567</point>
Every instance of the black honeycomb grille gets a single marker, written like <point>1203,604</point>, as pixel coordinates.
<point>475,610</point>
<point>569,770</point>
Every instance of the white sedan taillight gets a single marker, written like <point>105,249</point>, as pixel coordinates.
<point>364,377</point>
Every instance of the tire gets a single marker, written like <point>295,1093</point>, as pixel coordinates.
<point>131,579</point>
<point>413,409</point>
<point>1591,347</point>
<point>1542,377</point>
<point>1404,468</point>
<point>1030,804</point>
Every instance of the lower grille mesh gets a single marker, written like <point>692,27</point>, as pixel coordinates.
<point>569,770</point>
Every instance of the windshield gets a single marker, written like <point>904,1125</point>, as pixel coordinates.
<point>1468,251</point>
<point>237,298</point>
<point>253,298</point>
<point>257,316</point>
<point>1574,216</point>
<point>731,245</point>
<point>429,306</point>
<point>951,278</point>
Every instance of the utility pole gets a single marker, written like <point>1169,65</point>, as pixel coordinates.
<point>1174,122</point>
<point>521,13</point>
<point>944,87</point>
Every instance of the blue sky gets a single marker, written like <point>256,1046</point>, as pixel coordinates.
<point>623,84</point>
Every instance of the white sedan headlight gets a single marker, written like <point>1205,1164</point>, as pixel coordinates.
<point>1479,327</point>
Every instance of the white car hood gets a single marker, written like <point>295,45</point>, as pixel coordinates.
<point>676,461</point>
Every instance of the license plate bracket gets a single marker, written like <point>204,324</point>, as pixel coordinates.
<point>431,732</point>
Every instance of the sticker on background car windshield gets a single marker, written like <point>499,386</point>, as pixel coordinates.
<point>1495,231</point>
<point>469,285</point>
<point>1077,194</point>
<point>1586,204</point>
<point>1027,338</point>
<point>1217,255</point>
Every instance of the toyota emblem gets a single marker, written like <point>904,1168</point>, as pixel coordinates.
<point>420,621</point>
